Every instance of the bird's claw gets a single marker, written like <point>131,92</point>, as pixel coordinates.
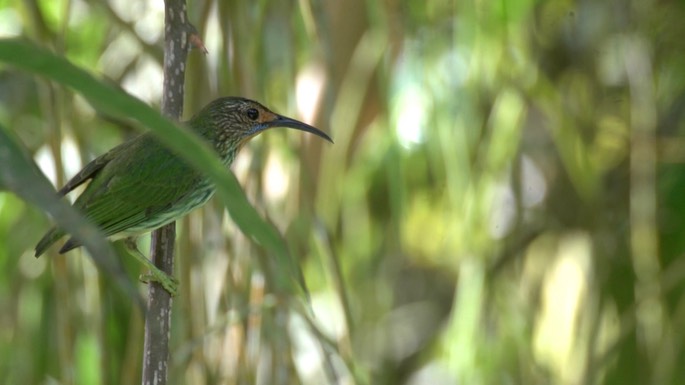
<point>168,282</point>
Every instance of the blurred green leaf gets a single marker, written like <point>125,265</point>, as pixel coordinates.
<point>21,176</point>
<point>29,57</point>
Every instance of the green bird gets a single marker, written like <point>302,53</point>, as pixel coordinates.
<point>141,185</point>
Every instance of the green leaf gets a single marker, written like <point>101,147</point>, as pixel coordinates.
<point>21,176</point>
<point>29,57</point>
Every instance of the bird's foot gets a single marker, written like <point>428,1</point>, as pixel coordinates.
<point>168,282</point>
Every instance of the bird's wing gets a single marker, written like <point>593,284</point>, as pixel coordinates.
<point>90,170</point>
<point>139,183</point>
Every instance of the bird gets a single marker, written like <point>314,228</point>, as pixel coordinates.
<point>141,185</point>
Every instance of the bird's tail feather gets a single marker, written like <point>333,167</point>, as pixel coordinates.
<point>69,245</point>
<point>48,239</point>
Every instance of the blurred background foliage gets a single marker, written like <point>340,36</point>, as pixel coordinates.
<point>503,203</point>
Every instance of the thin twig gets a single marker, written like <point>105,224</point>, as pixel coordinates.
<point>158,316</point>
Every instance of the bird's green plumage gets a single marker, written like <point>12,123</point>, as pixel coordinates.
<point>141,185</point>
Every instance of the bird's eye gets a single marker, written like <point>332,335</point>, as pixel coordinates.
<point>252,113</point>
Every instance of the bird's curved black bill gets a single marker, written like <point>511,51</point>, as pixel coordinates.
<point>283,121</point>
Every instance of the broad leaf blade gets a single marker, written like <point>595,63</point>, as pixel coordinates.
<point>21,176</point>
<point>29,57</point>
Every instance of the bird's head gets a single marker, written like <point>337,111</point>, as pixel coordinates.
<point>229,122</point>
